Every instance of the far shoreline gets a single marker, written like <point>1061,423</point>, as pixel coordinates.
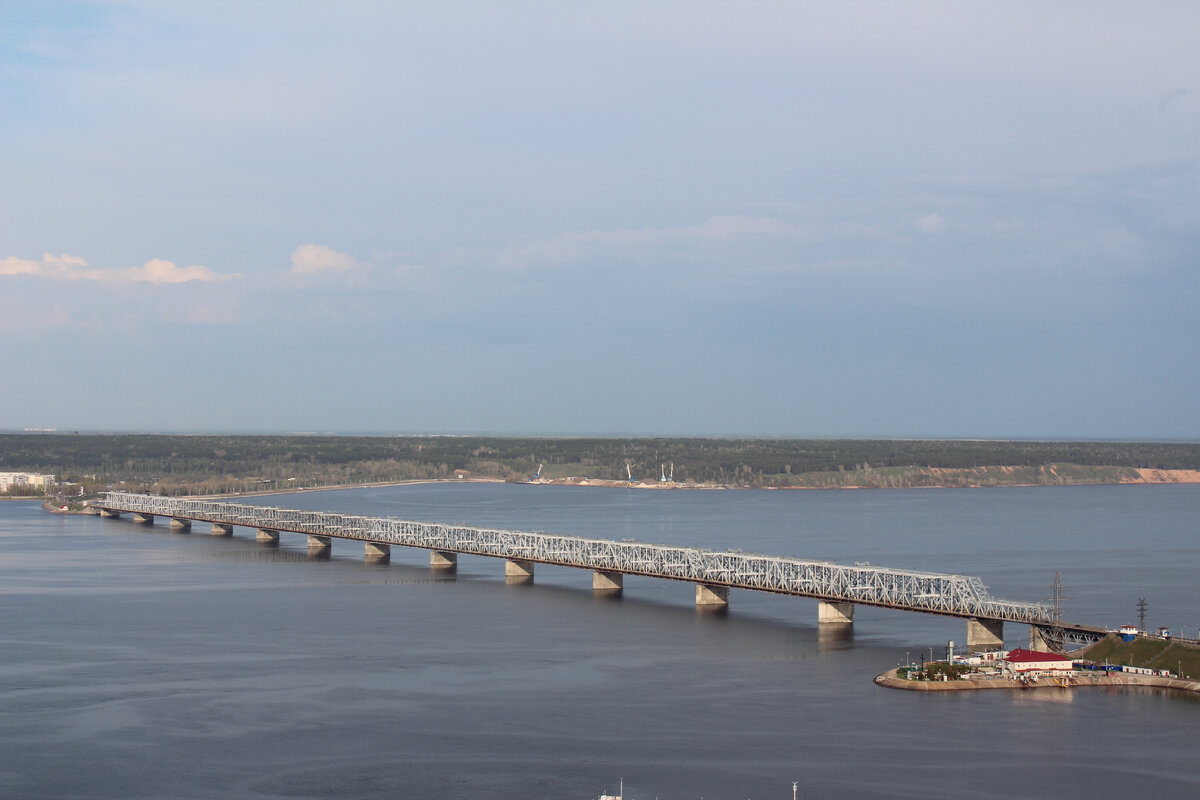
<point>1148,477</point>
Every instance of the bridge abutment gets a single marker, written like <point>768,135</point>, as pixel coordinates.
<point>221,529</point>
<point>266,536</point>
<point>108,513</point>
<point>517,571</point>
<point>443,559</point>
<point>317,544</point>
<point>985,634</point>
<point>143,519</point>
<point>610,582</point>
<point>710,596</point>
<point>832,612</point>
<point>377,552</point>
<point>181,525</point>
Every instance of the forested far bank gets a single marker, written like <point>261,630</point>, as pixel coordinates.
<point>212,464</point>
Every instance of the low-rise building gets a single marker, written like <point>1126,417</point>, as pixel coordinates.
<point>11,479</point>
<point>1035,662</point>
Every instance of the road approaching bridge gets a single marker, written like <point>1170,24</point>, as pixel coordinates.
<point>837,588</point>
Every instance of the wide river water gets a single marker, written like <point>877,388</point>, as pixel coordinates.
<point>137,663</point>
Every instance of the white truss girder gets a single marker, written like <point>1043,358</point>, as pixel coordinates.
<point>927,592</point>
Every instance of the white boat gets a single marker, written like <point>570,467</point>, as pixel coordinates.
<point>617,796</point>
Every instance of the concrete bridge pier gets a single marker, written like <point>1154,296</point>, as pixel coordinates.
<point>143,519</point>
<point>317,544</point>
<point>833,612</point>
<point>984,634</point>
<point>181,525</point>
<point>608,582</point>
<point>266,536</point>
<point>109,514</point>
<point>1037,640</point>
<point>709,596</point>
<point>377,552</point>
<point>221,529</point>
<point>517,571</point>
<point>444,560</point>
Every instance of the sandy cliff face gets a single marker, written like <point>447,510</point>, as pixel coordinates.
<point>1168,476</point>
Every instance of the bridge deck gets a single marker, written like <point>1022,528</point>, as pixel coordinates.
<point>926,592</point>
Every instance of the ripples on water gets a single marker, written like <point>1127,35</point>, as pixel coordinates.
<point>142,663</point>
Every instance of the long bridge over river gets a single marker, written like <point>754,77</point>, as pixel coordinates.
<point>837,588</point>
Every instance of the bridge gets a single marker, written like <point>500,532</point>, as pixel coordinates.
<point>837,588</point>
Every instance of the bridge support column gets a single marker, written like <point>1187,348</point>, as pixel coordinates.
<point>108,513</point>
<point>609,582</point>
<point>516,571</point>
<point>984,634</point>
<point>709,596</point>
<point>377,552</point>
<point>832,612</point>
<point>443,559</point>
<point>221,529</point>
<point>318,543</point>
<point>266,536</point>
<point>143,519</point>
<point>1037,641</point>
<point>181,525</point>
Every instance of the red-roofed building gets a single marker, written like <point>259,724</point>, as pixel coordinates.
<point>1023,662</point>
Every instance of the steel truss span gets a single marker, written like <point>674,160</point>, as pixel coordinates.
<point>926,592</point>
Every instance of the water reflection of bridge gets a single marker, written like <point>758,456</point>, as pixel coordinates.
<point>837,588</point>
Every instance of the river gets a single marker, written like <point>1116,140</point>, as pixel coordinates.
<point>138,663</point>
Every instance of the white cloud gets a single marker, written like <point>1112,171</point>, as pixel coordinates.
<point>931,223</point>
<point>68,267</point>
<point>317,257</point>
<point>157,270</point>
<point>51,266</point>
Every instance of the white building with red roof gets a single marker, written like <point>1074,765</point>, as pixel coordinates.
<point>1025,662</point>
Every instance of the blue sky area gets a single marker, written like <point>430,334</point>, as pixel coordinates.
<point>866,219</point>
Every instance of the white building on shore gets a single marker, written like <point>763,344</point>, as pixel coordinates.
<point>1035,662</point>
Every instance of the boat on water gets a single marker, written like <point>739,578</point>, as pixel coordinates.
<point>618,796</point>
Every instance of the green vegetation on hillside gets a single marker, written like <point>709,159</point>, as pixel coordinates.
<point>1146,652</point>
<point>209,464</point>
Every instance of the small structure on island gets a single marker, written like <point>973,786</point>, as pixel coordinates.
<point>1035,662</point>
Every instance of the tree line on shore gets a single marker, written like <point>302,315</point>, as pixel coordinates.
<point>217,464</point>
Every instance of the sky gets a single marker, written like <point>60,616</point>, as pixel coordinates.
<point>975,219</point>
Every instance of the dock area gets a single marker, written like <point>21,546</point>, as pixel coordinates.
<point>1078,678</point>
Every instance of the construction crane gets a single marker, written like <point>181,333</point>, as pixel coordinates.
<point>537,475</point>
<point>628,472</point>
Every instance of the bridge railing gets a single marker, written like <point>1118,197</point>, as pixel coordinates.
<point>935,593</point>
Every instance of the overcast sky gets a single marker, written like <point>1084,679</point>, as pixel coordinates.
<point>873,219</point>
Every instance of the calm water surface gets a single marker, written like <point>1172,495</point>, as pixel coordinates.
<point>143,664</point>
